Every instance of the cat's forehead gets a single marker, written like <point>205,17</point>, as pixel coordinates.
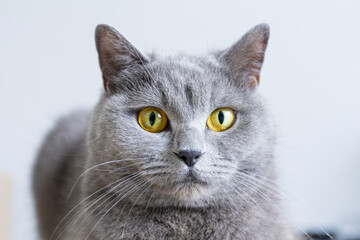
<point>190,84</point>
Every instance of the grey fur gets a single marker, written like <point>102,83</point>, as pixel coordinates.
<point>227,194</point>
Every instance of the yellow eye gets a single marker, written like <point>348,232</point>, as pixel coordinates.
<point>152,119</point>
<point>221,119</point>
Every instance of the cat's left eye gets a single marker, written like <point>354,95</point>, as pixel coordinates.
<point>152,119</point>
<point>221,119</point>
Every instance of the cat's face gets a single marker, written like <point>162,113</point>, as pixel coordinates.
<point>188,90</point>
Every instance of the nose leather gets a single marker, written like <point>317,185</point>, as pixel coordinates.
<point>189,157</point>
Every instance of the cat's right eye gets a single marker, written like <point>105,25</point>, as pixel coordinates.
<point>152,119</point>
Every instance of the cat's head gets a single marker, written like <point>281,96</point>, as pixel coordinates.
<point>181,128</point>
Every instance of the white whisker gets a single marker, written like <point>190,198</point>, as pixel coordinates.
<point>94,167</point>
<point>122,197</point>
<point>255,187</point>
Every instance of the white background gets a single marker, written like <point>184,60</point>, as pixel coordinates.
<point>48,66</point>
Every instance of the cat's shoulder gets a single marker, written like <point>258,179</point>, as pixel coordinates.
<point>67,130</point>
<point>58,162</point>
<point>62,140</point>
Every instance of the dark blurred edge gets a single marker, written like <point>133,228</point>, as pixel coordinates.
<point>318,236</point>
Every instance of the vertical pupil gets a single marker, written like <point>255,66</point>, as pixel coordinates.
<point>152,118</point>
<point>221,117</point>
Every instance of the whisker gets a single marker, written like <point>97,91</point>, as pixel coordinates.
<point>120,168</point>
<point>117,196</point>
<point>122,234</point>
<point>273,184</point>
<point>75,219</point>
<point>77,205</point>
<point>147,205</point>
<point>123,196</point>
<point>268,199</point>
<point>222,166</point>
<point>230,199</point>
<point>93,167</point>
<point>105,200</point>
<point>242,197</point>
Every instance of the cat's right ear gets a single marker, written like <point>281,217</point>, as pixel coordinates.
<point>116,55</point>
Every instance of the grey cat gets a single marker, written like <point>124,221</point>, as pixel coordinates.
<point>178,147</point>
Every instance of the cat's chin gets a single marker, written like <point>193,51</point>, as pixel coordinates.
<point>188,195</point>
<point>189,191</point>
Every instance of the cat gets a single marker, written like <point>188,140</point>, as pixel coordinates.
<point>178,147</point>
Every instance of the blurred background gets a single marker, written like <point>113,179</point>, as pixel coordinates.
<point>310,78</point>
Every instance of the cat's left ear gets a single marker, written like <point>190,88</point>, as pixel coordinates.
<point>245,58</point>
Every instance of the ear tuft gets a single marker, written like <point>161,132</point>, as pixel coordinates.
<point>262,30</point>
<point>245,58</point>
<point>116,53</point>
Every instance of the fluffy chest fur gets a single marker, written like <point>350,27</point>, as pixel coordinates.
<point>227,222</point>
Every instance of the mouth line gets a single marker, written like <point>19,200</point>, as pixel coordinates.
<point>190,179</point>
